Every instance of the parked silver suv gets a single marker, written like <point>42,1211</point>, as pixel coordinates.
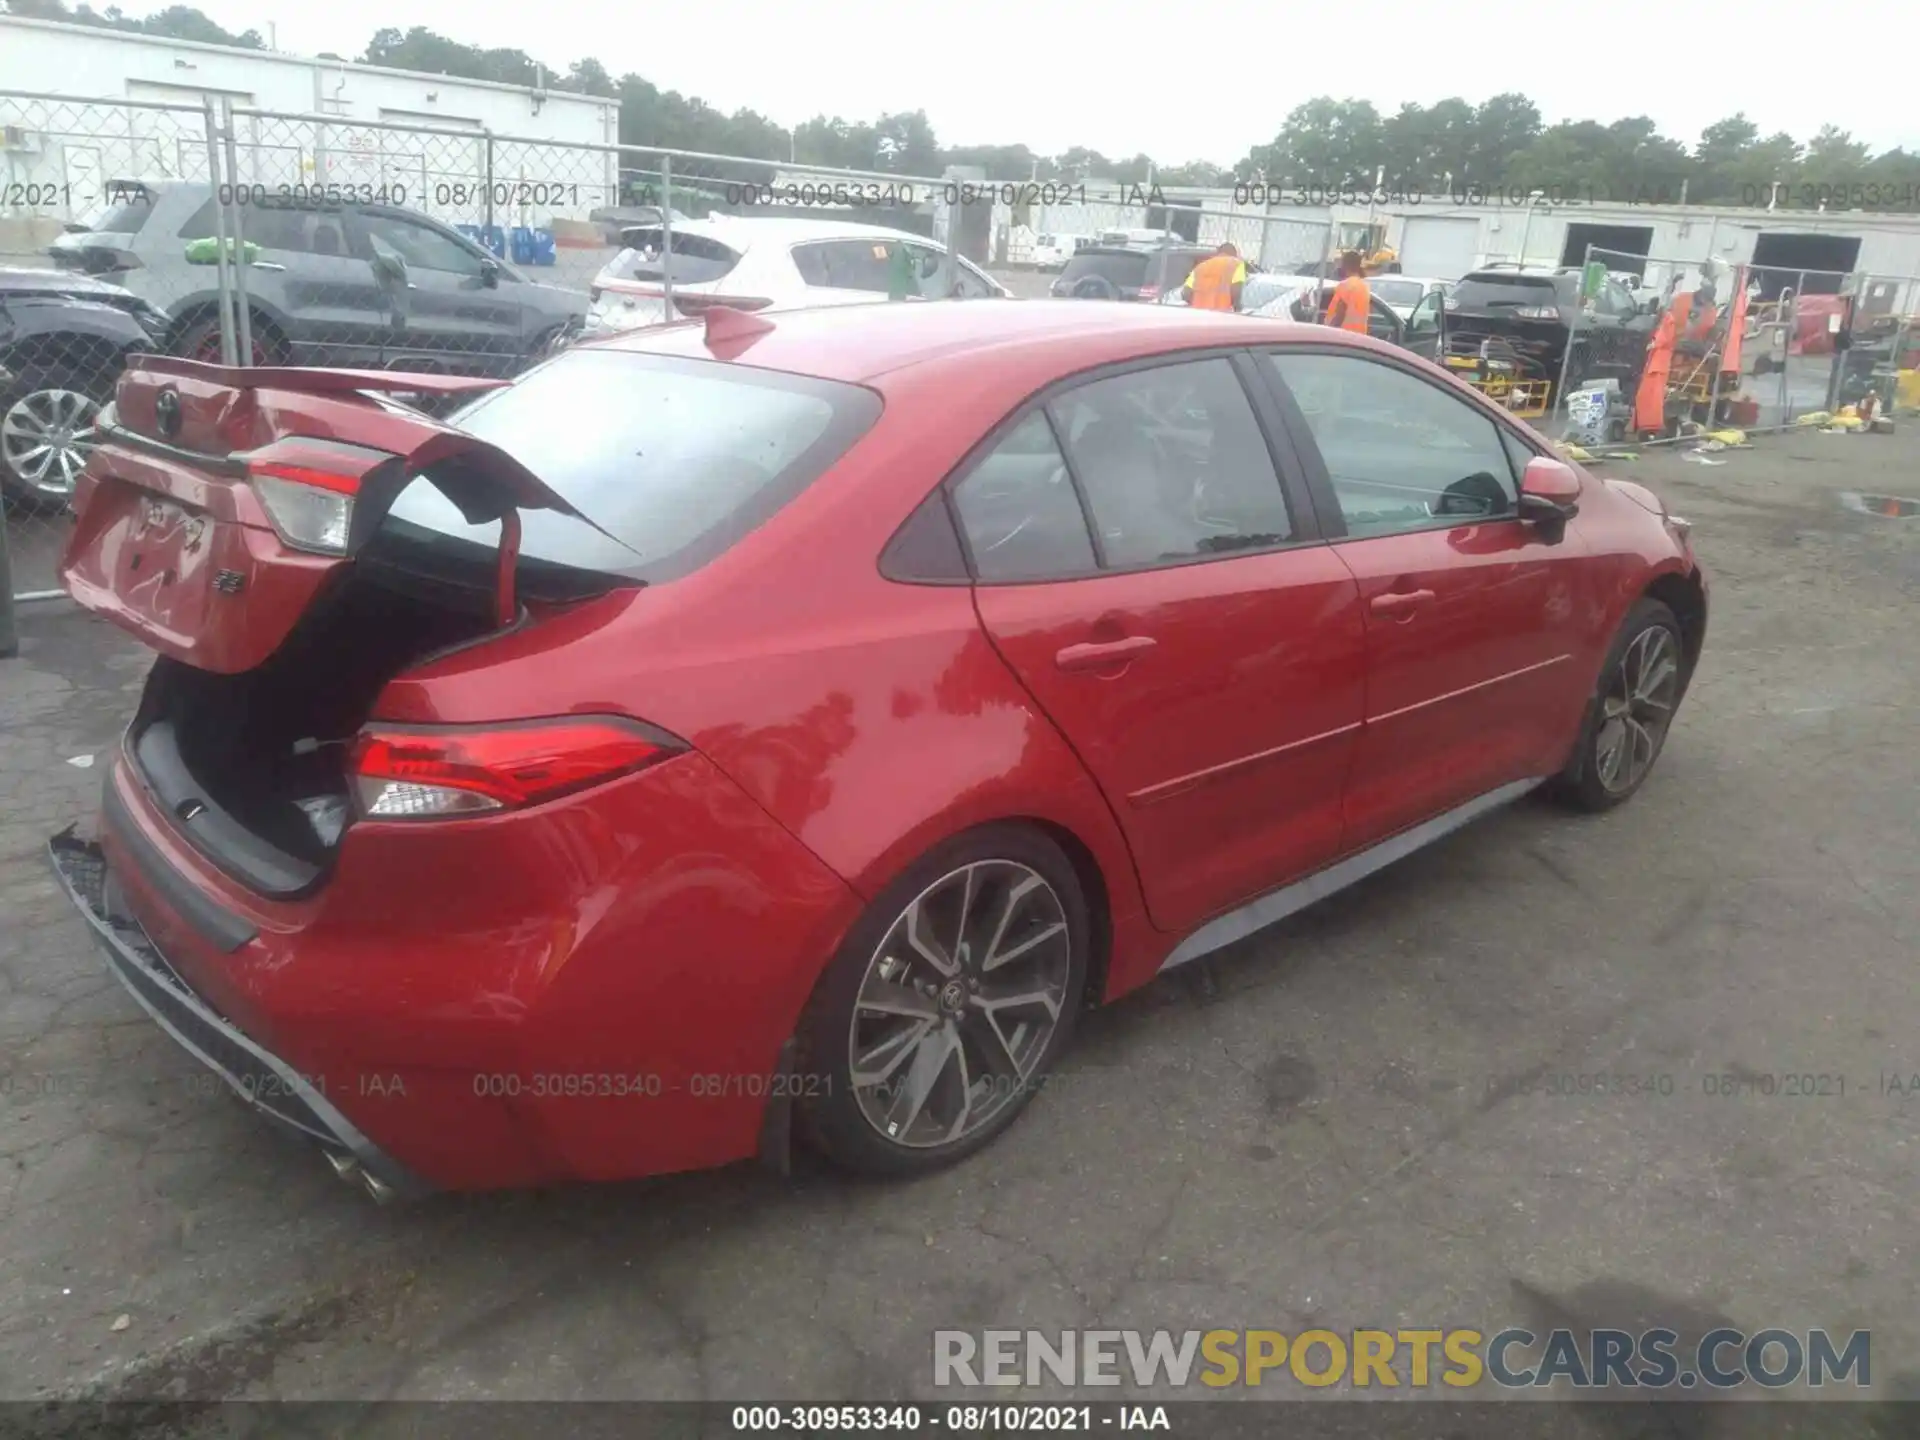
<point>436,300</point>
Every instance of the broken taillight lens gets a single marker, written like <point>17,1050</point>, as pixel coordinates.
<point>307,487</point>
<point>433,773</point>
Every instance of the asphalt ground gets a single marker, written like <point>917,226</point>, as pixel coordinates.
<point>1374,1114</point>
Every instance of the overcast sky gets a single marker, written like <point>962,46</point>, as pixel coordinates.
<point>1125,77</point>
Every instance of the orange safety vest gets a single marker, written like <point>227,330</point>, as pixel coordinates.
<point>1359,300</point>
<point>1213,280</point>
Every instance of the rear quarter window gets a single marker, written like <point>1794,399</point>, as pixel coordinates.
<point>673,461</point>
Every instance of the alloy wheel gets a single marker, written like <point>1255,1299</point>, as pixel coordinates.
<point>46,437</point>
<point>1636,709</point>
<point>960,1003</point>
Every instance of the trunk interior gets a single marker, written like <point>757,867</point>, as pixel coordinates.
<point>253,766</point>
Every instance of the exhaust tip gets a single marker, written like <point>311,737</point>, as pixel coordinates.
<point>344,1165</point>
<point>379,1189</point>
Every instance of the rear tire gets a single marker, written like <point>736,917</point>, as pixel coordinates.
<point>1626,723</point>
<point>951,997</point>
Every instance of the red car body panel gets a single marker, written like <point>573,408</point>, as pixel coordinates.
<point>1224,749</point>
<point>1484,652</point>
<point>661,928</point>
<point>668,927</point>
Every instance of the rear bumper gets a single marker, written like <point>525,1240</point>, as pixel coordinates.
<point>257,1076</point>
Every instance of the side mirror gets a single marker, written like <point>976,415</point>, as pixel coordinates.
<point>390,270</point>
<point>1549,491</point>
<point>390,273</point>
<point>490,274</point>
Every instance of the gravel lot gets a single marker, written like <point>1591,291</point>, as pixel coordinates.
<point>1355,1127</point>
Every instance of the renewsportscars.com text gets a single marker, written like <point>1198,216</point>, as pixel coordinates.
<point>1512,1358</point>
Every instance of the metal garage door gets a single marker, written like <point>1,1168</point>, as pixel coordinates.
<point>1444,249</point>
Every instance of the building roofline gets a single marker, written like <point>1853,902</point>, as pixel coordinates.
<point>309,61</point>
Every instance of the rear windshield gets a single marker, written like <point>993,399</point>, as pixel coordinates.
<point>693,259</point>
<point>123,209</point>
<point>1493,290</point>
<point>1265,289</point>
<point>1397,292</point>
<point>1127,268</point>
<point>674,459</point>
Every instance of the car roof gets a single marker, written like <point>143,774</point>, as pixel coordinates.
<point>860,344</point>
<point>1141,247</point>
<point>1542,272</point>
<point>740,230</point>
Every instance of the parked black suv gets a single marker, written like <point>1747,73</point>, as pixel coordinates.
<point>437,301</point>
<point>1531,315</point>
<point>1128,272</point>
<point>64,340</point>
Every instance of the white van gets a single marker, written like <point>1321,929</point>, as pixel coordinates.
<point>1052,251</point>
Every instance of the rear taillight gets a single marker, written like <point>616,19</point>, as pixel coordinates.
<point>307,488</point>
<point>426,774</point>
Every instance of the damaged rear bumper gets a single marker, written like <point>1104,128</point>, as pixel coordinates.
<point>262,1079</point>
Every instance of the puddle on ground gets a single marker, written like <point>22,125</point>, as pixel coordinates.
<point>1887,507</point>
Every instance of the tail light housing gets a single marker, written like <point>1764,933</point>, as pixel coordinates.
<point>307,487</point>
<point>439,772</point>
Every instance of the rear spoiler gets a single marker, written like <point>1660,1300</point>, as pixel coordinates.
<point>313,381</point>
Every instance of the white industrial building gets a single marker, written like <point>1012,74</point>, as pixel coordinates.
<point>1446,240</point>
<point>83,106</point>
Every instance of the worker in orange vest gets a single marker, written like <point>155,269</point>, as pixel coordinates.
<point>1217,281</point>
<point>1352,300</point>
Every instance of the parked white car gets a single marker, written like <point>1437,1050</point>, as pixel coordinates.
<point>1400,293</point>
<point>1052,251</point>
<point>769,263</point>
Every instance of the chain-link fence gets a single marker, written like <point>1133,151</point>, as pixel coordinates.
<point>1658,346</point>
<point>258,237</point>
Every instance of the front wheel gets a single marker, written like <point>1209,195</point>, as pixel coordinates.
<point>1626,723</point>
<point>950,999</point>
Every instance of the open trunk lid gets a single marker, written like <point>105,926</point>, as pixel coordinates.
<point>220,501</point>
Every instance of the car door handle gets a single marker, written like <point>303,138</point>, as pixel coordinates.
<point>1105,654</point>
<point>1400,602</point>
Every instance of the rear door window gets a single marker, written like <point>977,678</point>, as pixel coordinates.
<point>1019,511</point>
<point>675,461</point>
<point>846,264</point>
<point>1173,464</point>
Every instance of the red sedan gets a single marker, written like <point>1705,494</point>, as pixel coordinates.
<point>782,727</point>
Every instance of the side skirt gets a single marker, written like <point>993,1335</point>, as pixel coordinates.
<point>1275,905</point>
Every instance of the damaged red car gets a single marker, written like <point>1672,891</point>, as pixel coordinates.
<point>778,729</point>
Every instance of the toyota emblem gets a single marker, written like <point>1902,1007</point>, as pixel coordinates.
<point>166,413</point>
